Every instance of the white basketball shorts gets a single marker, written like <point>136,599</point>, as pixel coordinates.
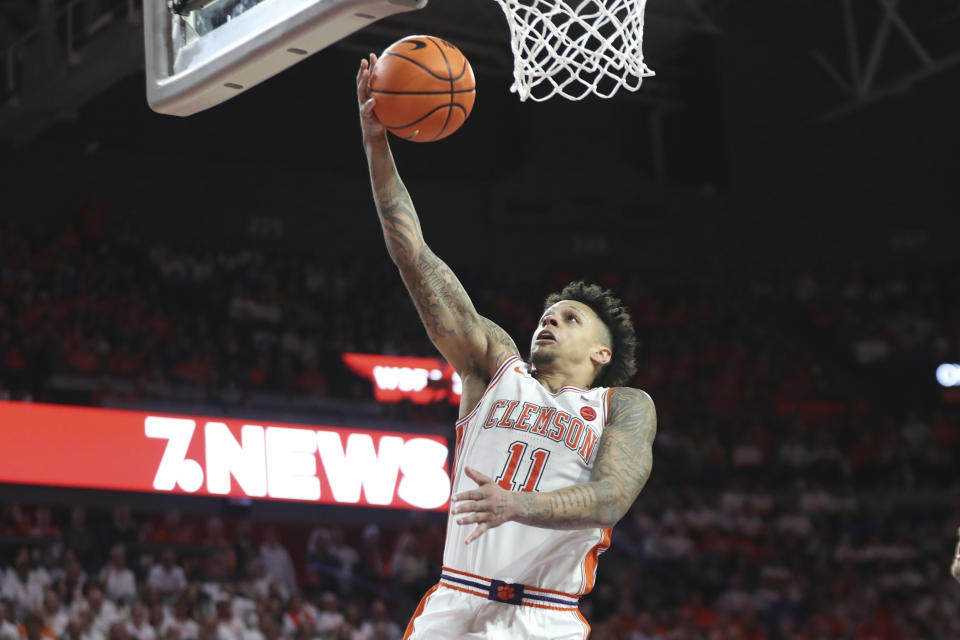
<point>450,611</point>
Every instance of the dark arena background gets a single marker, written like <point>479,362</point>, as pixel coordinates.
<point>779,209</point>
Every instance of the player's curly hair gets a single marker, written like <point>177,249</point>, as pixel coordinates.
<point>622,365</point>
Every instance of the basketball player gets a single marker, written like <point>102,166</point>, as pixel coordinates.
<point>549,454</point>
<point>955,568</point>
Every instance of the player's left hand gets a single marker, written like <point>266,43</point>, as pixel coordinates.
<point>489,505</point>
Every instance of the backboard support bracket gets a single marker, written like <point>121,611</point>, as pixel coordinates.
<point>186,75</point>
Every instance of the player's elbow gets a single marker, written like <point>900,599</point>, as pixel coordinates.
<point>611,509</point>
<point>608,517</point>
<point>405,260</point>
<point>955,569</point>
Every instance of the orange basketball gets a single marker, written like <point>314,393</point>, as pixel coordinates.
<point>424,88</point>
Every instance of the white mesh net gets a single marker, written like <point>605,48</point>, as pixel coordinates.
<point>573,48</point>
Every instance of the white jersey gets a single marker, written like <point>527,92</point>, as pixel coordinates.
<point>528,439</point>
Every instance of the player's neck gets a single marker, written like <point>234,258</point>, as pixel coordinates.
<point>556,380</point>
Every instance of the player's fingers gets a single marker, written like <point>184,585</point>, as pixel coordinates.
<point>475,506</point>
<point>465,507</point>
<point>363,85</point>
<point>476,476</point>
<point>474,518</point>
<point>473,494</point>
<point>476,533</point>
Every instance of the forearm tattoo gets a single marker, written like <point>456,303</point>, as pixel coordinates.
<point>401,226</point>
<point>440,299</point>
<point>623,465</point>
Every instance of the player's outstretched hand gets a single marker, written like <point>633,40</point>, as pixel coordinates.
<point>368,120</point>
<point>489,505</point>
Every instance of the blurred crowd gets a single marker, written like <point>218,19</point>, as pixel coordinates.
<point>804,485</point>
<point>111,576</point>
<point>96,302</point>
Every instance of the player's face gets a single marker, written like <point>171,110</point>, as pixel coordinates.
<point>569,331</point>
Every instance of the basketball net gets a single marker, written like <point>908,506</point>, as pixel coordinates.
<point>573,48</point>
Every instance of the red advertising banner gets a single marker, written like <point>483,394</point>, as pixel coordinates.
<point>396,378</point>
<point>195,455</point>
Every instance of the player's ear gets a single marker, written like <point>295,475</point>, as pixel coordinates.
<point>601,355</point>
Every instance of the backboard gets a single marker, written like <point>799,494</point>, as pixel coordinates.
<point>200,53</point>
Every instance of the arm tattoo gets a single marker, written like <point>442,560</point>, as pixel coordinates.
<point>444,306</point>
<point>623,465</point>
<point>401,229</point>
<point>441,301</point>
<point>501,344</point>
<point>401,226</point>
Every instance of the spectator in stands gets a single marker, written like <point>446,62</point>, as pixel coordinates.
<point>43,526</point>
<point>157,616</point>
<point>79,538</point>
<point>167,577</point>
<point>348,555</point>
<point>55,615</point>
<point>329,617</point>
<point>219,559</point>
<point>173,530</point>
<point>299,614</point>
<point>15,521</point>
<point>118,631</point>
<point>8,628</point>
<point>373,560</point>
<point>118,580</point>
<point>34,628</point>
<point>103,612</point>
<point>21,586</point>
<point>323,567</point>
<point>277,561</point>
<point>71,579</point>
<point>378,624</point>
<point>121,529</point>
<point>138,626</point>
<point>409,564</point>
<point>256,583</point>
<point>229,625</point>
<point>350,628</point>
<point>85,629</point>
<point>244,548</point>
<point>181,622</point>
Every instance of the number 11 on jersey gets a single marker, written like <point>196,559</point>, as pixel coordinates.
<point>538,460</point>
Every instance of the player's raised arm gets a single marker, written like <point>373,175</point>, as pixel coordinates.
<point>623,465</point>
<point>469,342</point>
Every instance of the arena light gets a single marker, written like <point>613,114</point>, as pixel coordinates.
<point>948,375</point>
<point>397,378</point>
<point>133,451</point>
